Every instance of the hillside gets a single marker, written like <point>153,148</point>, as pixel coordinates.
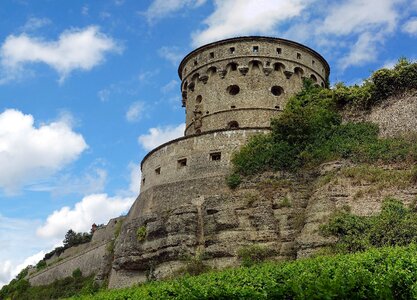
<point>331,161</point>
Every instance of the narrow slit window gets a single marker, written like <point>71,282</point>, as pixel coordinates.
<point>298,55</point>
<point>313,62</point>
<point>215,156</point>
<point>279,51</point>
<point>158,171</point>
<point>211,54</point>
<point>182,163</point>
<point>195,62</point>
<point>143,181</point>
<point>255,49</point>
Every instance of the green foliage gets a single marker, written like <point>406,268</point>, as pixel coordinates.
<point>41,265</point>
<point>413,175</point>
<point>310,131</point>
<point>77,273</point>
<point>73,238</point>
<point>118,228</point>
<point>233,180</point>
<point>254,254</point>
<point>194,264</point>
<point>387,273</point>
<point>68,287</point>
<point>395,225</point>
<point>141,233</point>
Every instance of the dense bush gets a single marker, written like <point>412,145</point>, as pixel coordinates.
<point>396,225</point>
<point>310,129</point>
<point>254,254</point>
<point>387,273</point>
<point>20,289</point>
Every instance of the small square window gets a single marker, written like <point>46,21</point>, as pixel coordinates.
<point>215,156</point>
<point>182,163</point>
<point>158,171</point>
<point>279,51</point>
<point>211,54</point>
<point>298,55</point>
<point>255,49</point>
<point>232,50</point>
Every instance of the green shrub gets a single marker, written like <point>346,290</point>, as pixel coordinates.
<point>41,265</point>
<point>141,233</point>
<point>413,176</point>
<point>118,228</point>
<point>77,273</point>
<point>396,225</point>
<point>254,254</point>
<point>194,264</point>
<point>233,180</point>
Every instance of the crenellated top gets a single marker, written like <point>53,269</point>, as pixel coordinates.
<point>244,82</point>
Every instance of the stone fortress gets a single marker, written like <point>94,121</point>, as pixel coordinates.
<point>230,90</point>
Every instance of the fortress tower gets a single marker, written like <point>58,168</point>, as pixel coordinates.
<point>230,90</point>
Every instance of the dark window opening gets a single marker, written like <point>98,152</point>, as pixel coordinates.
<point>211,54</point>
<point>215,156</point>
<point>232,66</point>
<point>277,90</point>
<point>195,62</point>
<point>232,50</point>
<point>233,106</point>
<point>279,67</point>
<point>322,84</point>
<point>212,70</point>
<point>279,51</point>
<point>314,78</point>
<point>207,112</point>
<point>143,181</point>
<point>277,107</point>
<point>298,55</point>
<point>199,99</point>
<point>268,63</point>
<point>233,125</point>
<point>313,62</point>
<point>182,163</point>
<point>255,49</point>
<point>299,71</point>
<point>233,89</point>
<point>158,171</point>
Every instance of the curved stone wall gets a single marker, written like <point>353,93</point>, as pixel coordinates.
<point>193,157</point>
<point>244,73</point>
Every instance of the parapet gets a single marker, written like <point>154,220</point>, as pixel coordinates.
<point>245,81</point>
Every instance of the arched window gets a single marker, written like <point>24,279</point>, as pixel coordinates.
<point>185,86</point>
<point>279,67</point>
<point>231,66</point>
<point>232,125</point>
<point>195,77</point>
<point>212,70</point>
<point>255,65</point>
<point>314,78</point>
<point>298,71</point>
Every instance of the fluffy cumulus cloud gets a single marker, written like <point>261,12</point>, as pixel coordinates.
<point>159,135</point>
<point>236,17</point>
<point>75,49</point>
<point>28,152</point>
<point>162,8</point>
<point>95,208</point>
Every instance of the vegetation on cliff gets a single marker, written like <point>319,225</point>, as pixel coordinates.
<point>310,130</point>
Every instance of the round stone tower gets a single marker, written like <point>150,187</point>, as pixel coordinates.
<point>231,89</point>
<point>243,82</point>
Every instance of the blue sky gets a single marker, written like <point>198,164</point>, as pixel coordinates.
<point>88,87</point>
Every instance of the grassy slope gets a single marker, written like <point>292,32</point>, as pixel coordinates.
<point>384,273</point>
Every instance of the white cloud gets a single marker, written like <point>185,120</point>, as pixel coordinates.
<point>170,86</point>
<point>363,51</point>
<point>33,24</point>
<point>359,16</point>
<point>76,49</point>
<point>162,8</point>
<point>171,54</point>
<point>29,153</point>
<point>135,111</point>
<point>410,26</point>
<point>135,177</point>
<point>95,208</point>
<point>159,135</point>
<point>236,17</point>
